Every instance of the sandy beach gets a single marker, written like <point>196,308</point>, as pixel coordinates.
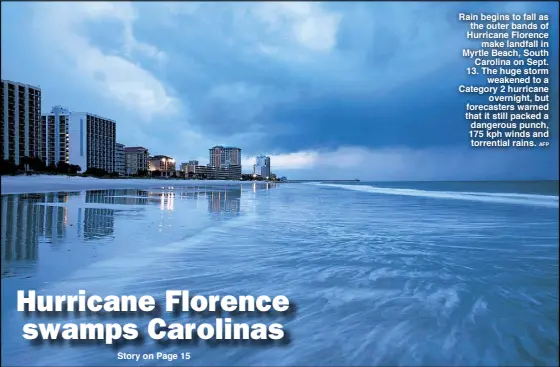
<point>368,266</point>
<point>47,183</point>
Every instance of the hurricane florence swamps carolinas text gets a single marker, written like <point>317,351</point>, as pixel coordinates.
<point>175,300</point>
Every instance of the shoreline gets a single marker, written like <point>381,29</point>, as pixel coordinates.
<point>53,183</point>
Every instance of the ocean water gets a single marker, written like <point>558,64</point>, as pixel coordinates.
<point>380,273</point>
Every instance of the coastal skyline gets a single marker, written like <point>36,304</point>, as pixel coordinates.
<point>327,90</point>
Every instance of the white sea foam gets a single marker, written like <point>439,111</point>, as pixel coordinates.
<point>502,198</point>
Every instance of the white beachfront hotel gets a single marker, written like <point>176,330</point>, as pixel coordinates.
<point>92,141</point>
<point>20,113</point>
<point>262,167</point>
<point>78,138</point>
<point>55,143</point>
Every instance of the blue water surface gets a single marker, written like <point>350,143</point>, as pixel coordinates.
<point>395,274</point>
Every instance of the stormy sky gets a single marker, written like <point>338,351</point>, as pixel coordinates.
<point>328,90</point>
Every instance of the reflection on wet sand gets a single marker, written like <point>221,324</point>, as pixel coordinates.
<point>31,219</point>
<point>226,202</point>
<point>66,219</point>
<point>98,223</point>
<point>118,197</point>
<point>20,228</point>
<point>167,201</point>
<point>25,224</point>
<point>262,186</point>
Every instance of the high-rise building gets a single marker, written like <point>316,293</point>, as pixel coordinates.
<point>120,164</point>
<point>225,156</point>
<point>226,161</point>
<point>262,167</point>
<point>55,143</point>
<point>20,113</point>
<point>92,141</point>
<point>136,160</point>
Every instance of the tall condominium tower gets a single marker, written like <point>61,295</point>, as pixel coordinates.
<point>225,156</point>
<point>20,113</point>
<point>262,166</point>
<point>55,144</point>
<point>226,162</point>
<point>92,141</point>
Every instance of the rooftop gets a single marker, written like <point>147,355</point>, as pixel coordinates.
<point>93,115</point>
<point>57,109</point>
<point>134,149</point>
<point>224,147</point>
<point>23,84</point>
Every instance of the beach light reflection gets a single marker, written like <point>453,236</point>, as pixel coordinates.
<point>170,201</point>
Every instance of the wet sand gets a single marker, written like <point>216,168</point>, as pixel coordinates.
<point>47,183</point>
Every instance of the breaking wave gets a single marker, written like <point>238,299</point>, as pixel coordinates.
<point>488,197</point>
